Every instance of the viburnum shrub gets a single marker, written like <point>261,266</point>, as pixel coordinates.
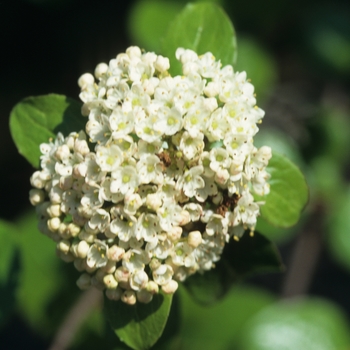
<point>168,177</point>
<point>154,179</point>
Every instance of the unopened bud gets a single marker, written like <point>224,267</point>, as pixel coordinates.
<point>114,294</point>
<point>82,249</point>
<point>85,80</point>
<point>194,239</point>
<point>129,297</point>
<point>152,287</point>
<point>110,282</point>
<point>63,246</point>
<point>170,288</point>
<point>115,253</point>
<point>36,196</point>
<point>84,281</point>
<point>144,297</point>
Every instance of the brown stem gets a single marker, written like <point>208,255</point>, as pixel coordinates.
<point>89,300</point>
<point>304,259</point>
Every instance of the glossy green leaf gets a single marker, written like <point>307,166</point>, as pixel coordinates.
<point>239,259</point>
<point>149,19</point>
<point>139,325</point>
<point>9,267</point>
<point>201,27</point>
<point>288,193</point>
<point>311,324</point>
<point>35,120</point>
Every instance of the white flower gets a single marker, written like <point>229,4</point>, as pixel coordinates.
<point>246,211</point>
<point>109,157</point>
<point>150,169</point>
<point>191,146</point>
<point>97,254</point>
<point>191,180</point>
<point>182,255</point>
<point>138,280</point>
<point>163,274</point>
<point>124,179</point>
<point>169,121</point>
<point>147,227</point>
<point>162,179</point>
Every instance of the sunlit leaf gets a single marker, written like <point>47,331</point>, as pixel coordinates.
<point>288,193</point>
<point>35,120</point>
<point>139,325</point>
<point>148,20</point>
<point>312,324</point>
<point>201,27</point>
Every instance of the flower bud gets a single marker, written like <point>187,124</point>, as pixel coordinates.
<point>79,265</point>
<point>54,224</point>
<point>194,239</point>
<point>129,297</point>
<point>100,70</point>
<point>36,180</point>
<point>54,210</point>
<point>63,246</point>
<point>36,196</point>
<point>114,294</point>
<point>170,287</point>
<point>143,296</point>
<point>82,249</point>
<point>110,282</point>
<point>84,281</point>
<point>85,80</point>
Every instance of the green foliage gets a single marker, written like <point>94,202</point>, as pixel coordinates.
<point>10,265</point>
<point>35,120</point>
<point>148,19</point>
<point>40,277</point>
<point>218,326</point>
<point>139,325</point>
<point>200,27</point>
<point>312,324</point>
<point>288,193</point>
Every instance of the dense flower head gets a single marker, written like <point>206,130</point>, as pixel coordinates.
<point>162,177</point>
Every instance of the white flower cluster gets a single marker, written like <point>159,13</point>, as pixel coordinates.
<point>168,177</point>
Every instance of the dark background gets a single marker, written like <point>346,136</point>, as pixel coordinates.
<point>46,45</point>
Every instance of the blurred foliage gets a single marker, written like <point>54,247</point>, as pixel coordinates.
<point>279,45</point>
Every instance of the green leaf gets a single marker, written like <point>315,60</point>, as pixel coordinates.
<point>288,193</point>
<point>201,27</point>
<point>218,326</point>
<point>9,268</point>
<point>35,120</point>
<point>251,254</point>
<point>139,325</point>
<point>40,278</point>
<point>148,19</point>
<point>312,324</point>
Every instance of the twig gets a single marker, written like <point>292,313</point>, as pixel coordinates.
<point>304,259</point>
<point>89,300</point>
